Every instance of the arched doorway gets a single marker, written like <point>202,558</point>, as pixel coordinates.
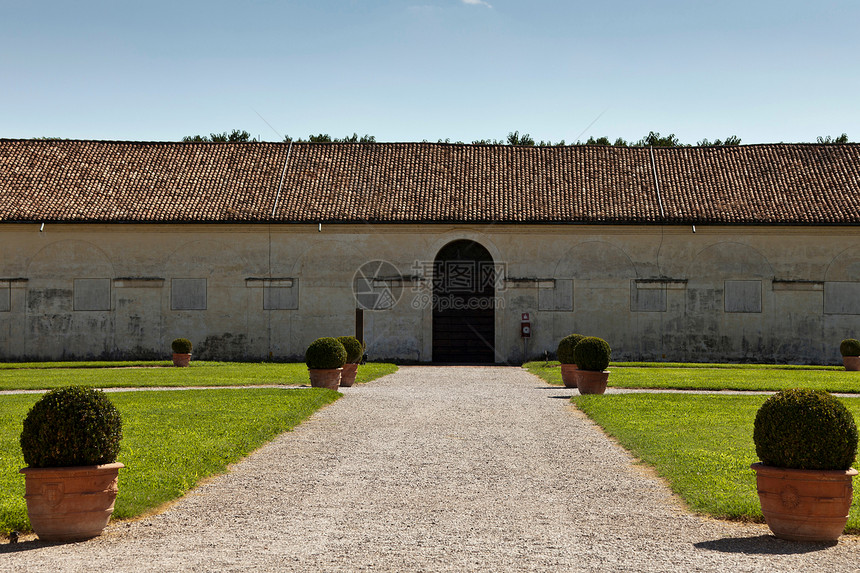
<point>464,279</point>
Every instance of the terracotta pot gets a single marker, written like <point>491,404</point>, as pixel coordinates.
<point>568,375</point>
<point>347,377</point>
<point>181,359</point>
<point>591,381</point>
<point>70,504</point>
<point>804,505</point>
<point>325,377</point>
<point>852,363</point>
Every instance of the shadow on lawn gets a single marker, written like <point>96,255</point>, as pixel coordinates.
<point>762,545</point>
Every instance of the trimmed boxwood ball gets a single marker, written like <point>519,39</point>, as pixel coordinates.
<point>181,346</point>
<point>71,426</point>
<point>592,353</point>
<point>325,352</point>
<point>805,429</point>
<point>566,346</point>
<point>850,347</point>
<point>354,349</point>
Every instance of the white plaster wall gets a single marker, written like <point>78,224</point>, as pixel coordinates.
<point>793,265</point>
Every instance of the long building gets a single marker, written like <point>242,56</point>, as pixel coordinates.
<point>428,252</point>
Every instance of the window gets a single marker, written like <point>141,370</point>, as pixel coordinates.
<point>742,296</point>
<point>278,293</point>
<point>555,294</point>
<point>281,295</point>
<point>92,294</point>
<point>188,294</point>
<point>842,297</point>
<point>5,296</point>
<point>647,296</point>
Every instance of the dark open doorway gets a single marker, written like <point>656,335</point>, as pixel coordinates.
<point>464,293</point>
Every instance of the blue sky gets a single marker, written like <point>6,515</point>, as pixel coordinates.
<point>413,70</point>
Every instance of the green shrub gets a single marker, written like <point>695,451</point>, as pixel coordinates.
<point>592,353</point>
<point>566,346</point>
<point>805,429</point>
<point>181,346</point>
<point>850,347</point>
<point>354,348</point>
<point>71,426</point>
<point>326,352</point>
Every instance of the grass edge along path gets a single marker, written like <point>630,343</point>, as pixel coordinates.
<point>40,376</point>
<point>171,441</point>
<point>85,364</point>
<point>700,444</point>
<point>761,377</point>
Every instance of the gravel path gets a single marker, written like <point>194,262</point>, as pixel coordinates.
<point>436,469</point>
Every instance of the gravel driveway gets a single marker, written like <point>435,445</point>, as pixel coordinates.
<point>436,469</point>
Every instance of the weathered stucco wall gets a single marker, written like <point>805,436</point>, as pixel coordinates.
<point>781,294</point>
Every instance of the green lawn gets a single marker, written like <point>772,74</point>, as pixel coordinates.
<point>47,375</point>
<point>702,445</point>
<point>171,440</point>
<point>84,364</point>
<point>716,377</point>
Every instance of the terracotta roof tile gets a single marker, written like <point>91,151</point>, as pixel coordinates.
<point>119,181</point>
<point>773,184</point>
<point>92,181</point>
<point>462,183</point>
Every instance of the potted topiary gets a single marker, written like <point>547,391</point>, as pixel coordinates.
<point>850,350</point>
<point>181,351</point>
<point>806,441</point>
<point>325,358</point>
<point>592,357</point>
<point>567,360</point>
<point>354,351</point>
<point>70,441</point>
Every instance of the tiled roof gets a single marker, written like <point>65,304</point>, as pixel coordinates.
<point>769,184</point>
<point>453,183</point>
<point>93,181</point>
